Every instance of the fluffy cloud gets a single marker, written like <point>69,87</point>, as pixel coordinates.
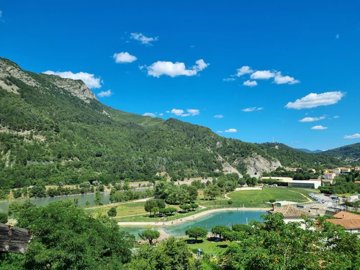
<point>277,76</point>
<point>314,100</point>
<point>142,38</point>
<point>319,127</point>
<point>89,79</point>
<point>124,57</point>
<point>262,75</point>
<point>183,113</point>
<point>171,69</point>
<point>353,136</point>
<point>231,130</point>
<point>250,83</point>
<point>252,109</point>
<point>243,70</point>
<point>149,114</point>
<point>311,119</point>
<point>106,93</point>
<point>218,116</point>
<point>280,79</point>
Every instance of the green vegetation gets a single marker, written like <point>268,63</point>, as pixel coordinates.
<point>196,233</point>
<point>260,198</point>
<point>149,235</point>
<point>64,237</point>
<point>349,152</point>
<point>343,184</point>
<point>112,212</point>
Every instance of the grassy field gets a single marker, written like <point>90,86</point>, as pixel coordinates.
<point>246,198</point>
<point>123,209</point>
<point>259,198</point>
<point>209,247</point>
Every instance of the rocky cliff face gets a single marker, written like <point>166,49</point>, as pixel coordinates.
<point>9,69</point>
<point>257,165</point>
<point>76,87</point>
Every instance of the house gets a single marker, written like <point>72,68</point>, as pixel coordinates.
<point>329,176</point>
<point>349,221</point>
<point>345,170</point>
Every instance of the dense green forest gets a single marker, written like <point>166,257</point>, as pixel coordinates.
<point>50,135</point>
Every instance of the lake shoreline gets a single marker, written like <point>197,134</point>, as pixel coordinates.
<point>188,218</point>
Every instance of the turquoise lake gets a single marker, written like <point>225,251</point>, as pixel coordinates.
<point>226,218</point>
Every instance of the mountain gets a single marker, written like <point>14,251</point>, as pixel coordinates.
<point>348,152</point>
<point>54,130</point>
<point>309,151</point>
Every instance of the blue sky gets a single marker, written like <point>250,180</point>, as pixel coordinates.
<point>252,64</point>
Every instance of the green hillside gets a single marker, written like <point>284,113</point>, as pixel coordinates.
<point>349,152</point>
<point>54,130</point>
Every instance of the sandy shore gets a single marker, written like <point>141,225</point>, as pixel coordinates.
<point>188,218</point>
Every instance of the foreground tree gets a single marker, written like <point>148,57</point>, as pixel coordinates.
<point>149,235</point>
<point>171,254</point>
<point>65,237</point>
<point>275,245</point>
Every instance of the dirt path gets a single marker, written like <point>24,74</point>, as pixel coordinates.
<point>188,218</point>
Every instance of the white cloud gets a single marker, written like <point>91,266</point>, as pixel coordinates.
<point>149,114</point>
<point>229,79</point>
<point>314,100</point>
<point>89,79</point>
<point>231,130</point>
<point>171,69</point>
<point>218,116</point>
<point>142,38</point>
<point>183,113</point>
<point>319,127</point>
<point>311,119</point>
<point>353,136</point>
<point>250,83</point>
<point>280,79</point>
<point>124,57</point>
<point>106,93</point>
<point>243,70</point>
<point>262,75</point>
<point>252,109</point>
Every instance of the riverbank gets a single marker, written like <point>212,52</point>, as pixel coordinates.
<point>188,218</point>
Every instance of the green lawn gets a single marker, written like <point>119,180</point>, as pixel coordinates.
<point>259,198</point>
<point>246,198</point>
<point>123,209</point>
<point>209,247</point>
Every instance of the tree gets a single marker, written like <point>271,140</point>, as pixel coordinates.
<point>196,232</point>
<point>149,235</point>
<point>3,217</point>
<point>185,207</point>
<point>170,254</point>
<point>112,212</point>
<point>220,230</point>
<point>153,205</point>
<point>65,237</point>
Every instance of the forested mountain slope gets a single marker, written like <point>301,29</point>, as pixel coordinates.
<point>55,130</point>
<point>349,152</point>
